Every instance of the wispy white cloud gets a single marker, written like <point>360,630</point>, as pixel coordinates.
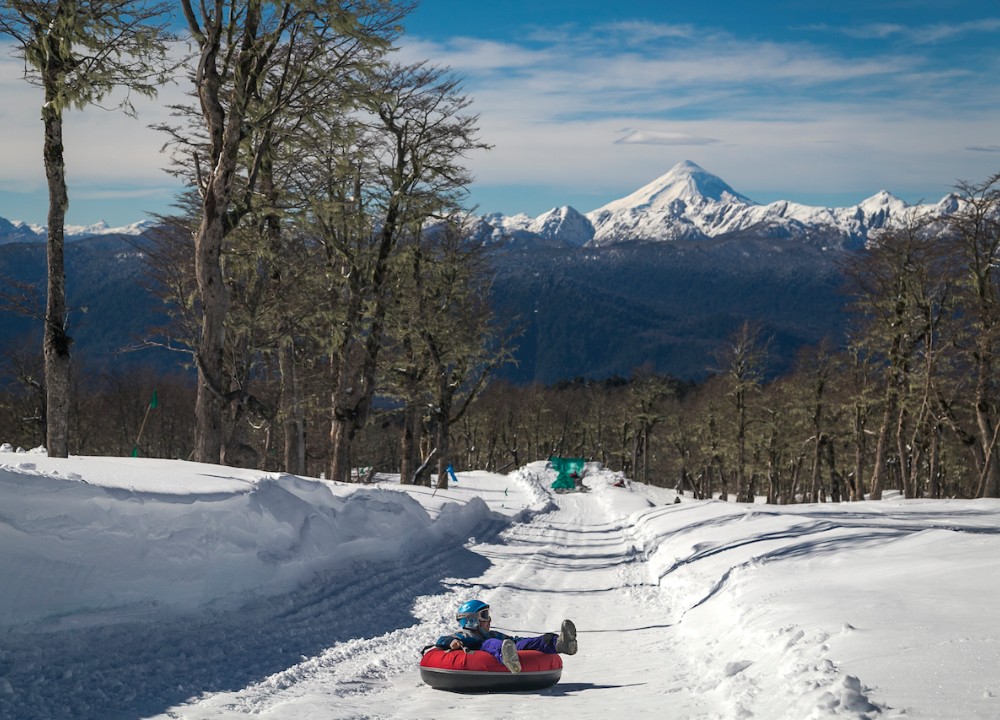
<point>554,101</point>
<point>596,75</point>
<point>919,34</point>
<point>662,137</point>
<point>109,155</point>
<point>801,114</point>
<point>639,31</point>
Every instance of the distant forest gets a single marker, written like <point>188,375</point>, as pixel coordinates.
<point>318,283</point>
<point>908,401</point>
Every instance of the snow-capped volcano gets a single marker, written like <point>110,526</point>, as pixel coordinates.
<point>690,203</point>
<point>685,183</point>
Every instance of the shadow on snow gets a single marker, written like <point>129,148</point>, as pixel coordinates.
<point>129,670</point>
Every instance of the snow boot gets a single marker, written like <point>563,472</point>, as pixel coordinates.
<point>509,652</point>
<point>566,642</point>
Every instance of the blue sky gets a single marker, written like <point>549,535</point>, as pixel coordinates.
<point>816,102</point>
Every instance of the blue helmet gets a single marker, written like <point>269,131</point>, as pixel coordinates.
<point>471,613</point>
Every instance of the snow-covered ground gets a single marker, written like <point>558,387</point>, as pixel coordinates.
<point>138,588</point>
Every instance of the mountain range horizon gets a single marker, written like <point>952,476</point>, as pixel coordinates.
<point>690,203</point>
<point>659,278</point>
<point>686,202</point>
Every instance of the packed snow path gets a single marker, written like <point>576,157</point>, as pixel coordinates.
<point>556,567</point>
<point>574,561</point>
<point>164,589</point>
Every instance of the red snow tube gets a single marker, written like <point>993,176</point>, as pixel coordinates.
<point>480,672</point>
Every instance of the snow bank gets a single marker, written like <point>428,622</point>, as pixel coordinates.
<point>81,550</point>
<point>853,610</point>
<point>774,603</point>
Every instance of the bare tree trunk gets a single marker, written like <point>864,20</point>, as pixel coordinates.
<point>814,485</point>
<point>793,486</point>
<point>56,340</point>
<point>909,452</point>
<point>637,473</point>
<point>409,444</point>
<point>341,434</point>
<point>645,455</point>
<point>210,403</point>
<point>773,471</point>
<point>882,446</point>
<point>422,475</point>
<point>933,464</point>
<point>511,440</point>
<point>744,492</point>
<point>858,484</point>
<point>723,481</point>
<point>444,430</point>
<point>293,422</point>
<point>989,485</point>
<point>836,483</point>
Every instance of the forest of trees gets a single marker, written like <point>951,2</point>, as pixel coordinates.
<point>330,314</point>
<point>908,401</point>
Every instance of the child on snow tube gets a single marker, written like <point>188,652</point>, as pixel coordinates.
<point>474,618</point>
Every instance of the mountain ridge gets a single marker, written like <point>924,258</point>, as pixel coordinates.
<point>690,203</point>
<point>685,203</point>
<point>16,231</point>
<point>660,278</point>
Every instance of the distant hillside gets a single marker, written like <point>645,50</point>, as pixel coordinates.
<point>662,277</point>
<point>599,312</point>
<point>586,312</point>
<point>109,309</point>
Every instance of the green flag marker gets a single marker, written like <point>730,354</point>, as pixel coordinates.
<point>154,402</point>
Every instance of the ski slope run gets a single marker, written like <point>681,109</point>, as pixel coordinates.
<point>575,559</point>
<point>647,646</point>
<point>162,589</point>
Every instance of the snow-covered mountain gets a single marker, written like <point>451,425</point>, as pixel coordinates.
<point>17,231</point>
<point>559,227</point>
<point>689,203</point>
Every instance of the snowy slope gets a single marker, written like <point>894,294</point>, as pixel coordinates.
<point>690,203</point>
<point>163,589</point>
<point>18,231</point>
<point>685,203</point>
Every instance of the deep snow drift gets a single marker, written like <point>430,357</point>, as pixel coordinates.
<point>137,588</point>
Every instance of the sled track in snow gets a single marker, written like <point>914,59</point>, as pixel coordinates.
<point>532,572</point>
<point>130,670</point>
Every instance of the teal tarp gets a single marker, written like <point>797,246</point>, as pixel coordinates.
<point>569,469</point>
